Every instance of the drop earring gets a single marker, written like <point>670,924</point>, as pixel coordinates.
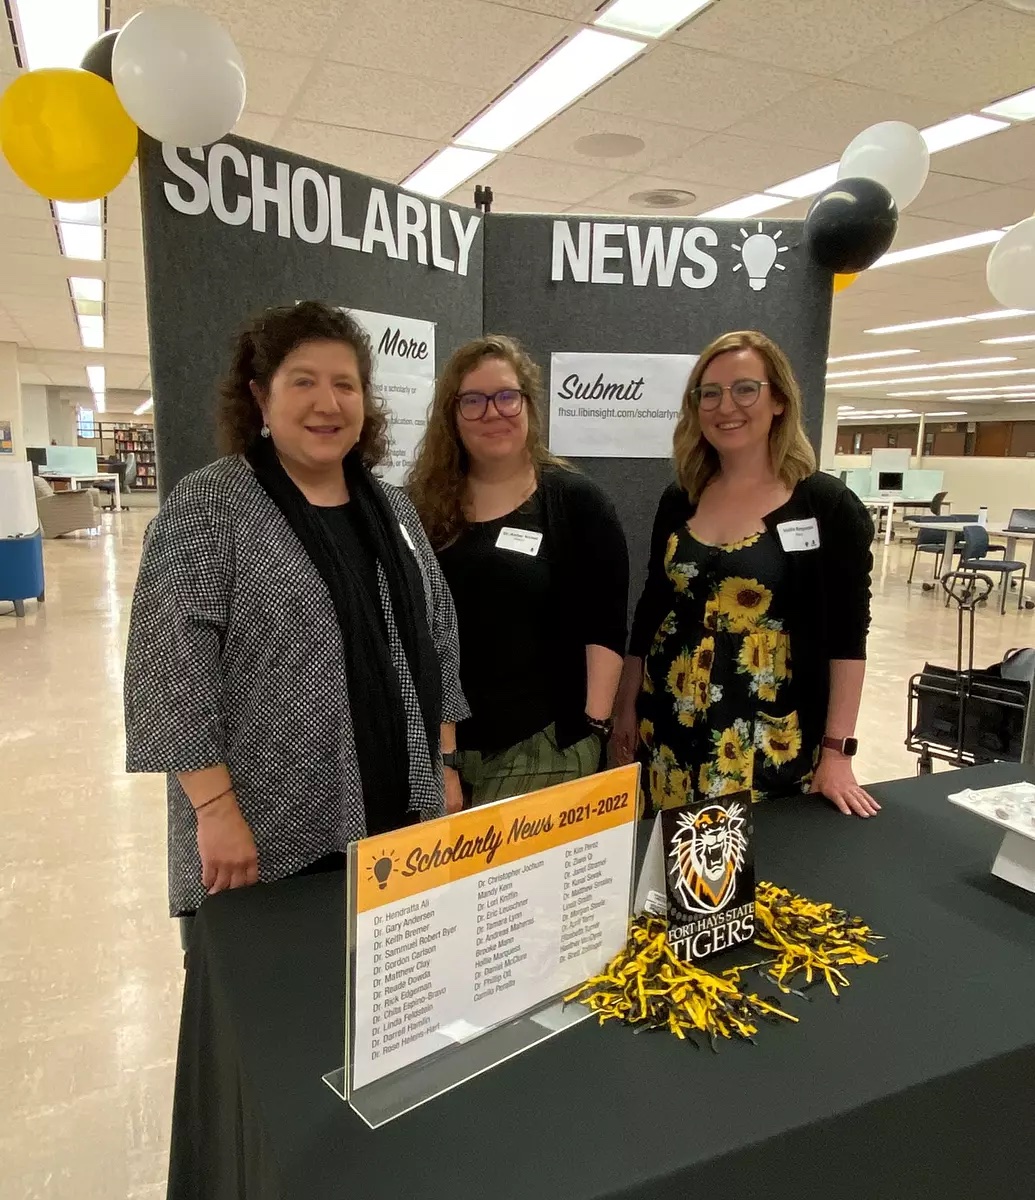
<point>265,431</point>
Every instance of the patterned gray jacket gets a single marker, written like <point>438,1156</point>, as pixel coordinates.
<point>235,657</point>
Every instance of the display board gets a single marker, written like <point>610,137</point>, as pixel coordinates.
<point>238,226</point>
<point>655,285</point>
<point>461,925</point>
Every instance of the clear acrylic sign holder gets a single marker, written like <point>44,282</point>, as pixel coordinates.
<point>463,935</point>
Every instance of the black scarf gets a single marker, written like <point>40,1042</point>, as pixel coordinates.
<point>374,688</point>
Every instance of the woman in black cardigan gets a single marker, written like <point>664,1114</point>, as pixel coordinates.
<point>536,560</point>
<point>748,647</point>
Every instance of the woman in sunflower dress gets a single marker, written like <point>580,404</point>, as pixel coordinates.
<point>747,655</point>
<point>717,709</point>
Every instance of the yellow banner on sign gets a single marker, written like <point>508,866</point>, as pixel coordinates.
<point>396,865</point>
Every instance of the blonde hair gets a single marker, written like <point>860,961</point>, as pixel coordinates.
<point>437,480</point>
<point>790,451</point>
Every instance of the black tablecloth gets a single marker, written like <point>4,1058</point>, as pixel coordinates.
<point>920,1082</point>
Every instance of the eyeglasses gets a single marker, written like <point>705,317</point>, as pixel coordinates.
<point>474,405</point>
<point>743,392</point>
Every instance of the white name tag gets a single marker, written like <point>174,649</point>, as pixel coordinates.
<point>406,537</point>
<point>523,541</point>
<point>799,535</point>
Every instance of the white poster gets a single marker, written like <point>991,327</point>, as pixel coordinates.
<point>616,405</point>
<point>404,376</point>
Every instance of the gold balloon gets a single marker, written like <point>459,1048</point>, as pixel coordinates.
<point>845,281</point>
<point>65,133</point>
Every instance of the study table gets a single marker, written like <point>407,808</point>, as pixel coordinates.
<point>890,504</point>
<point>919,1082</point>
<point>76,482</point>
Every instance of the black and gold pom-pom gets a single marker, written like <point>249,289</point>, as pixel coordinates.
<point>648,986</point>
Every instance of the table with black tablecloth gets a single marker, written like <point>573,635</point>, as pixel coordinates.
<point>919,1082</point>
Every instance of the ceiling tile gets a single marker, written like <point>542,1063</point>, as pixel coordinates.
<point>274,79</point>
<point>969,59</point>
<point>791,33</point>
<point>826,116</point>
<point>380,154</point>
<point>258,128</point>
<point>571,10</point>
<point>388,103</point>
<point>556,140</point>
<point>539,179</point>
<point>467,42</point>
<point>618,196</point>
<point>987,210</point>
<point>692,88</point>
<point>503,203</point>
<point>1004,157</point>
<point>741,163</point>
<point>941,188</point>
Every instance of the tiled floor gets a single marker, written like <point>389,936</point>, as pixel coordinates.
<point>90,970</point>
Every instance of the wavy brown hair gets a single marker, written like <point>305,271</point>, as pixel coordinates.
<point>264,343</point>
<point>790,451</point>
<point>437,481</point>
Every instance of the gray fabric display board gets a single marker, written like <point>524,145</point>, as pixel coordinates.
<point>238,226</point>
<point>705,296</point>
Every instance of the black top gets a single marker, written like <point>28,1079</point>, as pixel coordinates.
<point>502,599</point>
<point>525,620</point>
<point>828,602</point>
<point>342,523</point>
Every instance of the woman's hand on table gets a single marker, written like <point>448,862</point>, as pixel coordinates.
<point>454,792</point>
<point>229,858</point>
<point>835,779</point>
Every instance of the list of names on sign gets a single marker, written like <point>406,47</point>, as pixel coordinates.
<point>469,921</point>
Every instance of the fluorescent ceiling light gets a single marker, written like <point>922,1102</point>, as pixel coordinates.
<point>1008,341</point>
<point>88,213</point>
<point>81,241</point>
<point>953,413</point>
<point>1020,400</point>
<point>91,332</point>
<point>933,378</point>
<point>578,65</point>
<point>845,408</point>
<point>148,404</point>
<point>958,362</point>
<point>1020,107</point>
<point>56,33</point>
<point>959,130</point>
<point>446,171</point>
<point>96,377</point>
<point>870,354</point>
<point>806,185</point>
<point>951,393</point>
<point>87,289</point>
<point>998,314</point>
<point>933,249</point>
<point>651,19</point>
<point>746,206</point>
<point>98,402</point>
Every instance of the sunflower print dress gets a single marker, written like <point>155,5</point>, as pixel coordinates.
<point>717,709</point>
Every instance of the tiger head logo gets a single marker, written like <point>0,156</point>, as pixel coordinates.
<point>707,854</point>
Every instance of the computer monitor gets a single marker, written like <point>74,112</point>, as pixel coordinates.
<point>889,481</point>
<point>37,455</point>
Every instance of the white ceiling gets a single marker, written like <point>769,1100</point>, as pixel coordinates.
<point>744,96</point>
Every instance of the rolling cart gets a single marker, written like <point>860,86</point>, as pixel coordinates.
<point>967,717</point>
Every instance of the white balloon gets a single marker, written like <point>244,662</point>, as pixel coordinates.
<point>894,154</point>
<point>179,76</point>
<point>1011,267</point>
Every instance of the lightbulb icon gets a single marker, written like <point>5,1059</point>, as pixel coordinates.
<point>381,867</point>
<point>759,252</point>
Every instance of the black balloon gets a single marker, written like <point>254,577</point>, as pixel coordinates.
<point>850,225</point>
<point>98,58</point>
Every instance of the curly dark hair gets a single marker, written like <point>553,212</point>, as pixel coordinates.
<point>264,343</point>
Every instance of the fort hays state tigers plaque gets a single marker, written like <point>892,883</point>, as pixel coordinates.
<point>699,872</point>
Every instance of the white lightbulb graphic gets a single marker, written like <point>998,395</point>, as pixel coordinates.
<point>759,252</point>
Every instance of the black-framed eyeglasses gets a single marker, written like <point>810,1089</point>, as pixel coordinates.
<point>473,406</point>
<point>743,392</point>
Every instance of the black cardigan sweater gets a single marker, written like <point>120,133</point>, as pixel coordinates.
<point>829,607</point>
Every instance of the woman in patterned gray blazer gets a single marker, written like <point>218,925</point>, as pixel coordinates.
<point>292,661</point>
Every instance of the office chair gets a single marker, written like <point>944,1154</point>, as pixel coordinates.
<point>975,558</point>
<point>929,541</point>
<point>937,502</point>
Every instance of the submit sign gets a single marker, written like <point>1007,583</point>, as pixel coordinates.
<point>467,922</point>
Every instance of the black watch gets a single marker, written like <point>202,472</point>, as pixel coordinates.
<point>451,759</point>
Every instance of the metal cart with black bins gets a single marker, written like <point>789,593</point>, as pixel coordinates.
<point>965,716</point>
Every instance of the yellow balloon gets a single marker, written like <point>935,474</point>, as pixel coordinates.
<point>65,133</point>
<point>844,281</point>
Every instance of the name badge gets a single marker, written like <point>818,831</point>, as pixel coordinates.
<point>522,541</point>
<point>406,537</point>
<point>799,535</point>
